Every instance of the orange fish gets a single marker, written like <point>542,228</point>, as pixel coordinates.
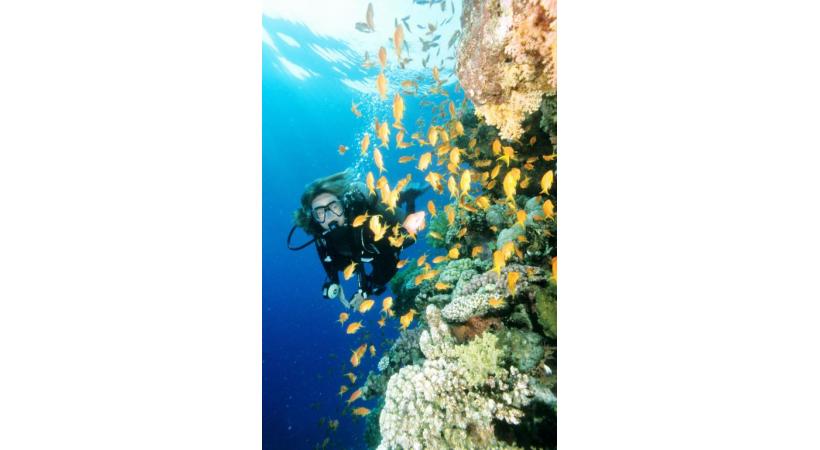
<point>355,395</point>
<point>420,261</point>
<point>424,161</point>
<point>406,159</point>
<point>439,259</point>
<point>387,303</point>
<point>348,272</point>
<point>354,327</point>
<point>361,411</point>
<point>512,278</point>
<point>343,317</point>
<point>549,209</point>
<point>555,269</point>
<point>402,263</point>
<point>354,108</point>
<point>381,85</point>
<point>546,182</point>
<point>407,319</point>
<point>432,208</point>
<point>351,376</point>
<point>342,149</point>
<point>442,286</point>
<point>366,305</point>
<point>476,251</point>
<point>372,351</point>
<point>382,57</point>
<point>342,390</point>
<point>365,143</point>
<point>496,302</point>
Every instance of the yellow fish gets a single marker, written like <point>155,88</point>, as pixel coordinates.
<point>351,376</point>
<point>453,253</point>
<point>370,185</point>
<point>342,390</point>
<point>442,286</point>
<point>343,318</point>
<point>482,202</point>
<point>498,262</point>
<point>521,217</point>
<point>406,159</point>
<point>512,278</point>
<point>466,179</point>
<point>366,305</point>
<point>494,172</point>
<point>396,241</point>
<point>483,163</point>
<point>458,129</point>
<point>496,147</point>
<point>402,263</point>
<point>365,143</point>
<point>472,143</point>
<point>376,226</point>
<point>496,302</point>
<point>348,272</point>
<point>554,269</point>
<point>546,182</point>
<point>461,232</point>
<point>381,85</point>
<point>434,235</point>
<point>476,251</point>
<point>549,209</point>
<point>361,411</point>
<point>372,351</point>
<point>355,395</point>
<point>360,220</point>
<point>377,158</point>
<point>452,108</point>
<point>398,108</point>
<point>524,183</point>
<point>383,133</point>
<point>398,40</point>
<point>360,350</point>
<point>342,149</point>
<point>407,319</point>
<point>532,140</point>
<point>387,303</point>
<point>382,57</point>
<point>451,214</point>
<point>424,161</point>
<point>354,108</point>
<point>455,156</point>
<point>381,321</point>
<point>435,74</point>
<point>435,181</point>
<point>549,157</point>
<point>529,166</point>
<point>432,208</point>
<point>354,327</point>
<point>510,181</point>
<point>355,359</point>
<point>439,259</point>
<point>333,424</point>
<point>452,187</point>
<point>491,185</point>
<point>420,261</point>
<point>432,136</point>
<point>507,250</point>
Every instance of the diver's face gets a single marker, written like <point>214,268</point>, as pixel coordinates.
<point>327,209</point>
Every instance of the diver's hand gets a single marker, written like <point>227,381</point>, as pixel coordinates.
<point>357,299</point>
<point>414,222</point>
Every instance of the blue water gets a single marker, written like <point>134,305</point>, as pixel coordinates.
<point>305,351</point>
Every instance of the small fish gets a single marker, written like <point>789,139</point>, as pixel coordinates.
<point>342,149</point>
<point>524,183</point>
<point>355,359</point>
<point>510,182</point>
<point>369,17</point>
<point>554,263</point>
<point>482,202</point>
<point>355,395</point>
<point>381,321</point>
<point>381,85</point>
<point>387,303</point>
<point>451,214</point>
<point>461,233</point>
<point>398,40</point>
<point>546,182</point>
<point>333,424</point>
<point>398,108</point>
<point>343,317</point>
<point>402,263</point>
<point>466,179</point>
<point>549,209</point>
<point>396,241</point>
<point>361,411</point>
<point>496,147</point>
<point>407,319</point>
<point>498,262</point>
<point>494,172</point>
<point>348,272</point>
<point>377,228</point>
<point>370,184</point>
<point>377,158</point>
<point>366,305</point>
<point>361,26</point>
<point>442,286</point>
<point>432,136</point>
<point>435,74</point>
<point>360,350</point>
<point>532,140</point>
<point>432,208</point>
<point>452,187</point>
<point>424,161</point>
<point>406,159</point>
<point>477,250</point>
<point>496,302</point>
<point>351,376</point>
<point>512,278</point>
<point>360,220</point>
<point>453,253</point>
<point>382,57</point>
<point>342,390</point>
<point>372,351</point>
<point>491,185</point>
<point>455,155</point>
<point>420,260</point>
<point>520,217</point>
<point>354,108</point>
<point>365,143</point>
<point>453,38</point>
<point>354,327</point>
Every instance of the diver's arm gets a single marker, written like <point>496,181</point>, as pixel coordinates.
<point>331,272</point>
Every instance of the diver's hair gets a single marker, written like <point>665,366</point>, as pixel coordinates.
<point>333,184</point>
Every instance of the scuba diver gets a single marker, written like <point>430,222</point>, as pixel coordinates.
<point>328,207</point>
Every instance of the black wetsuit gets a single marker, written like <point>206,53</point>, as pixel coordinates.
<point>341,245</point>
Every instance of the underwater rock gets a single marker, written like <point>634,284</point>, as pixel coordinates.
<point>519,318</point>
<point>546,309</point>
<point>474,326</point>
<point>506,59</point>
<point>498,215</point>
<point>455,398</point>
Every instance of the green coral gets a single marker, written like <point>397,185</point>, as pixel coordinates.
<point>520,348</point>
<point>479,358</point>
<point>546,308</point>
<point>438,225</point>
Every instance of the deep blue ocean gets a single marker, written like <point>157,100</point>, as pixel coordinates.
<point>305,350</point>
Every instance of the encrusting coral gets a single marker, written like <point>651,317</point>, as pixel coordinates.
<point>453,399</point>
<point>507,59</point>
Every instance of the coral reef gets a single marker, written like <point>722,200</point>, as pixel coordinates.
<point>521,349</point>
<point>507,57</point>
<point>546,309</point>
<point>474,326</point>
<point>471,297</point>
<point>455,398</point>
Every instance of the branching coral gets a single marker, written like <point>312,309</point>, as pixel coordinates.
<point>472,297</point>
<point>452,400</point>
